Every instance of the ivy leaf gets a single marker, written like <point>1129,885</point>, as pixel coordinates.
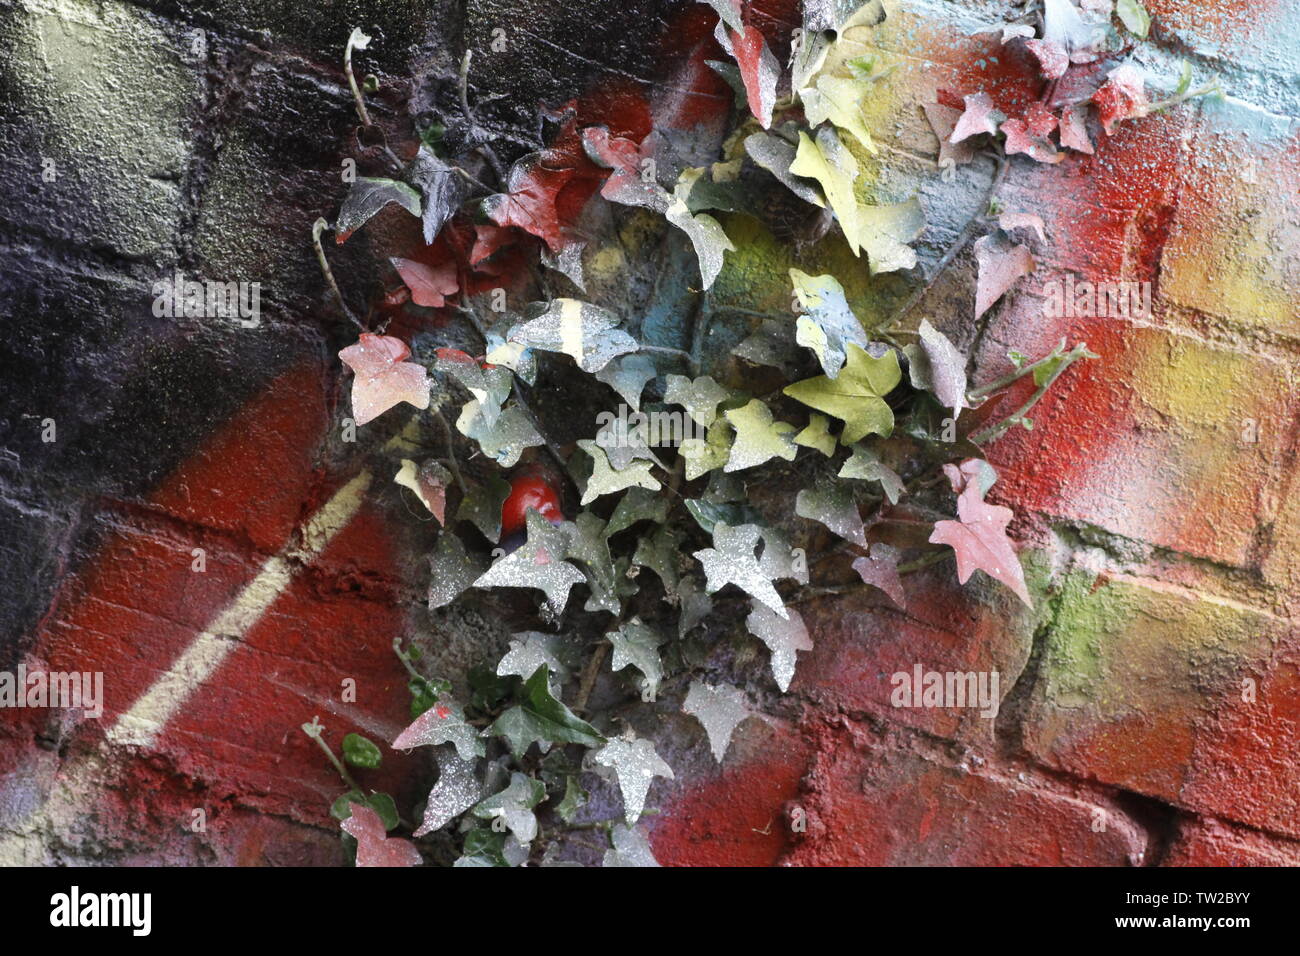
<point>541,717</point>
<point>360,752</point>
<point>729,11</point>
<point>631,848</point>
<point>658,551</point>
<point>732,560</point>
<point>443,188</point>
<point>455,792</point>
<point>575,798</point>
<point>839,100</point>
<point>713,452</point>
<point>635,764</point>
<point>1053,60</point>
<point>829,324</point>
<point>707,514</point>
<point>585,332</point>
<point>539,563</point>
<point>974,471</point>
<point>776,155</point>
<point>943,120</point>
<point>383,376</point>
<point>979,538</point>
<point>759,69</point>
<point>758,437</point>
<point>605,480</point>
<point>779,559</point>
<point>856,396</point>
<point>628,375</point>
<point>695,606</point>
<point>830,163</point>
<point>624,440</point>
<point>700,397</point>
<point>1010,221</point>
<point>880,570</point>
<point>503,436</point>
<point>429,482</point>
<point>1000,264</point>
<point>374,848</point>
<point>719,709</point>
<point>936,366</point>
<point>366,197</point>
<point>816,435</point>
<point>865,465</point>
<point>490,386</point>
<point>452,570</point>
<point>706,234</point>
<point>978,117</point>
<point>1062,24</point>
<point>533,185</point>
<point>885,231</point>
<point>514,806</point>
<point>1074,129</point>
<point>833,506</point>
<point>637,645</point>
<point>639,504</point>
<point>588,546</point>
<point>443,723</point>
<point>530,650</point>
<point>429,285</point>
<point>626,184</point>
<point>1123,96</point>
<point>784,637</point>
<point>482,508</point>
<point>381,803</point>
<point>1029,135</point>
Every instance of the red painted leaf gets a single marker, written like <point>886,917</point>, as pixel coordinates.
<point>1123,96</point>
<point>373,847</point>
<point>1029,134</point>
<point>979,539</point>
<point>1074,129</point>
<point>1051,56</point>
<point>624,158</point>
<point>383,376</point>
<point>1000,264</point>
<point>759,69</point>
<point>429,285</point>
<point>978,117</point>
<point>880,570</point>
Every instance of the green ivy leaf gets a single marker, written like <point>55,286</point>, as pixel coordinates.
<point>367,196</point>
<point>713,452</point>
<point>658,551</point>
<point>856,397</point>
<point>514,806</point>
<point>575,798</point>
<point>1134,16</point>
<point>865,465</point>
<point>637,645</point>
<point>606,480</point>
<point>833,506</point>
<point>700,397</point>
<point>817,436</point>
<point>839,100</point>
<point>758,437</point>
<point>639,504</point>
<point>360,752</point>
<point>541,717</point>
<point>503,436</point>
<point>829,324</point>
<point>829,161</point>
<point>381,803</point>
<point>482,508</point>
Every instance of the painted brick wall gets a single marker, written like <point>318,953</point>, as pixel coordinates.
<point>1156,500</point>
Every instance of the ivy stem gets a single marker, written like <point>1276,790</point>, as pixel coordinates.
<point>994,432</point>
<point>352,82</point>
<point>338,764</point>
<point>665,350</point>
<point>319,226</point>
<point>589,674</point>
<point>406,661</point>
<point>1211,87</point>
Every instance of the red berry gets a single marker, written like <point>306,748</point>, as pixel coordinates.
<point>529,490</point>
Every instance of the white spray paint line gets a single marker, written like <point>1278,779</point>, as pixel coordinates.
<point>141,724</point>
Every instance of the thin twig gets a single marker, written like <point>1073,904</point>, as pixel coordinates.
<point>589,674</point>
<point>486,151</point>
<point>451,451</point>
